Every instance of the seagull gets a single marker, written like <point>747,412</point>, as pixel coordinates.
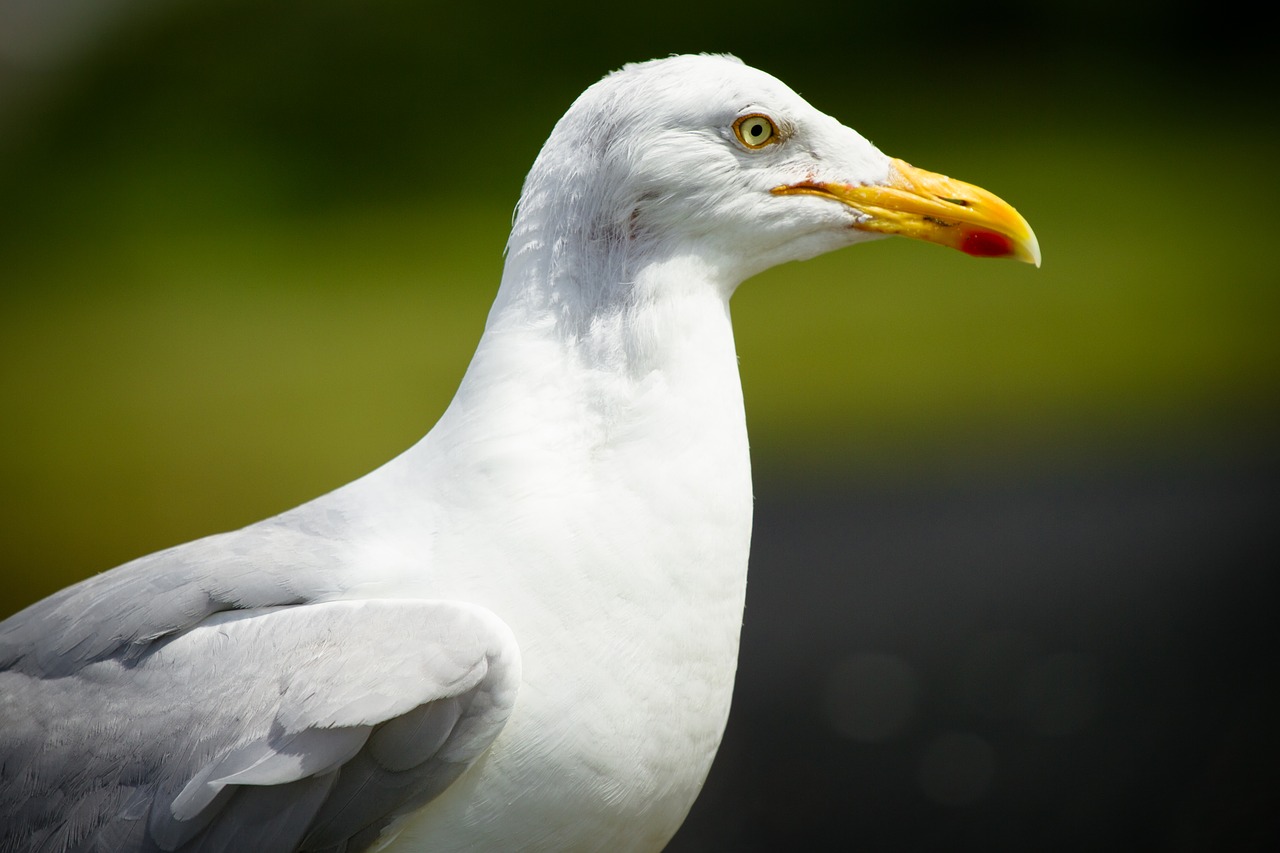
<point>522,632</point>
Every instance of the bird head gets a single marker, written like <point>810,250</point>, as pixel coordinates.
<point>704,156</point>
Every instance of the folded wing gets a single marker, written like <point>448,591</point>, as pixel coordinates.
<point>300,726</point>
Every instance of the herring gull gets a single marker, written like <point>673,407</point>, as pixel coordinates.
<point>522,632</point>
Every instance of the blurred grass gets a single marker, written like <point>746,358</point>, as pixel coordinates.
<point>208,318</point>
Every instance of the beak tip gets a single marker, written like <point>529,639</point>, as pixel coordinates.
<point>1029,252</point>
<point>987,243</point>
<point>1032,248</point>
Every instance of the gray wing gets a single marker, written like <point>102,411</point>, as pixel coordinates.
<point>121,613</point>
<point>278,728</point>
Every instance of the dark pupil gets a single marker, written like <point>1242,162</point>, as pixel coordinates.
<point>757,129</point>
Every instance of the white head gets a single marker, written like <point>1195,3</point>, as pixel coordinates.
<point>706,158</point>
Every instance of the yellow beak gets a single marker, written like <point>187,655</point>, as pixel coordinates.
<point>932,207</point>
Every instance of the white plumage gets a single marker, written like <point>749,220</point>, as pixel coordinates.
<point>522,632</point>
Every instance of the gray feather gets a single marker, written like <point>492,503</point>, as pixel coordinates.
<point>122,612</point>
<point>187,725</point>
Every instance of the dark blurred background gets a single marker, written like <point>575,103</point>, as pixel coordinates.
<point>1016,529</point>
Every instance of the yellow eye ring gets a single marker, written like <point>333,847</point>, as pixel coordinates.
<point>756,131</point>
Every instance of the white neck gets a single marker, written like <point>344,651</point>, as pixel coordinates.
<point>655,372</point>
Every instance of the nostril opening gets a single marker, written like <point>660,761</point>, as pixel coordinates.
<point>958,201</point>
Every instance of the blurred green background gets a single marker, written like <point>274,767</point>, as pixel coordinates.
<point>246,248</point>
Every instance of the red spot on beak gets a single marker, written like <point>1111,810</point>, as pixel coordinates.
<point>986,244</point>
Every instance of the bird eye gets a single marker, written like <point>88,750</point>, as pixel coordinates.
<point>756,131</point>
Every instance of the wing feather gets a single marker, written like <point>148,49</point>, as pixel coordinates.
<point>297,727</point>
